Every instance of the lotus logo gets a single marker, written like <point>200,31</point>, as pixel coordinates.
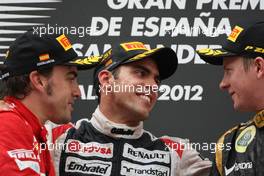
<point>243,141</point>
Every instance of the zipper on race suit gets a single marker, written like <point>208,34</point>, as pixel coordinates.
<point>119,151</point>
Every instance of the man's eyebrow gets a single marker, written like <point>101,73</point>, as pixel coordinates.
<point>147,70</point>
<point>74,73</point>
<point>142,67</point>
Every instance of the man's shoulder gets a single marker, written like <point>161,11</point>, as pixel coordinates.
<point>60,131</point>
<point>14,131</point>
<point>11,120</point>
<point>235,130</point>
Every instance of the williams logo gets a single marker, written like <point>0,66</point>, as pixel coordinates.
<point>89,167</point>
<point>122,131</point>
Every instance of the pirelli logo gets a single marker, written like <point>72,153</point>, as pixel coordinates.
<point>44,57</point>
<point>64,42</point>
<point>235,33</point>
<point>211,52</point>
<point>254,49</point>
<point>128,168</point>
<point>133,46</point>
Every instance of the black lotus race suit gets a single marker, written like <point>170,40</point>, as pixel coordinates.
<point>101,147</point>
<point>245,158</point>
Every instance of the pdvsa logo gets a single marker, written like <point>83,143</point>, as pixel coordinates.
<point>90,149</point>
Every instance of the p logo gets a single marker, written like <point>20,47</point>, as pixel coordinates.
<point>64,42</point>
<point>235,33</point>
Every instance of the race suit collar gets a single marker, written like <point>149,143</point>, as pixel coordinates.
<point>259,119</point>
<point>109,128</point>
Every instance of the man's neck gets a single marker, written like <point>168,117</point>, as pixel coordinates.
<point>115,116</point>
<point>35,106</point>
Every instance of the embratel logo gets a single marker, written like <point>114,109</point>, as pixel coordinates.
<point>89,167</point>
<point>235,33</point>
<point>133,46</point>
<point>128,168</point>
<point>64,42</point>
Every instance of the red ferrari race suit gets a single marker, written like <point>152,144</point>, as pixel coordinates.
<point>101,147</point>
<point>245,156</point>
<point>22,143</point>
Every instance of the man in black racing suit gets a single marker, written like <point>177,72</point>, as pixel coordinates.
<point>114,142</point>
<point>242,58</point>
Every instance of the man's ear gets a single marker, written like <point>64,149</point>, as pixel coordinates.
<point>105,77</point>
<point>37,81</point>
<point>259,65</point>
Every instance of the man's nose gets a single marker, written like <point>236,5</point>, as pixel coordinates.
<point>77,91</point>
<point>223,84</point>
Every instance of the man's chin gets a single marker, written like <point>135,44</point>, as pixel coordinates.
<point>241,109</point>
<point>63,120</point>
<point>144,116</point>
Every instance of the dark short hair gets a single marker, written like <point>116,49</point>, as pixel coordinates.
<point>19,86</point>
<point>115,73</point>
